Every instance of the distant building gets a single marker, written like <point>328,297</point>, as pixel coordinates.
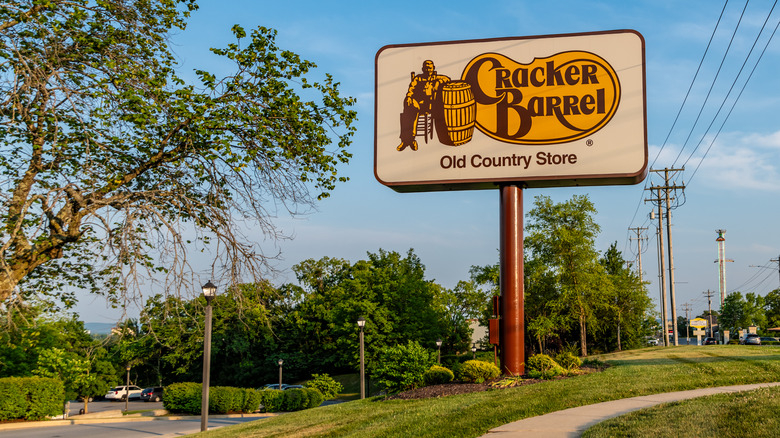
<point>479,333</point>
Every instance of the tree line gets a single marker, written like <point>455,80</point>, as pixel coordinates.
<point>575,298</point>
<point>740,312</point>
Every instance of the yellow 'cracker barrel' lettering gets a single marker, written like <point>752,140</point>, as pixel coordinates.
<point>557,99</point>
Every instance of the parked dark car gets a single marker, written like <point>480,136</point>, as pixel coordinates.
<point>153,394</point>
<point>710,341</point>
<point>768,339</point>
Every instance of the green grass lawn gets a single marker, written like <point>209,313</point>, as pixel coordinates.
<point>744,414</point>
<point>633,373</point>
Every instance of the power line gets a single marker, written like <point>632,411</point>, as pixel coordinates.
<point>733,84</point>
<point>712,85</point>
<point>690,87</point>
<point>682,105</point>
<point>735,102</point>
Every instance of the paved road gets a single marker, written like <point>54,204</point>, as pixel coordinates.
<point>148,427</point>
<point>104,405</point>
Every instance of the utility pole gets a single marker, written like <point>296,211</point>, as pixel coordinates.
<point>639,238</point>
<point>687,308</point>
<point>777,260</point>
<point>661,274</point>
<point>665,199</point>
<point>709,294</point>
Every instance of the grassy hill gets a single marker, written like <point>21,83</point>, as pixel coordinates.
<point>633,373</point>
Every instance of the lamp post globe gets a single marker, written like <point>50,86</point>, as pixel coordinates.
<point>474,351</point>
<point>438,353</point>
<point>209,291</point>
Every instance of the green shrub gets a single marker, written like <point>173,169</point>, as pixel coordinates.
<point>438,375</point>
<point>183,397</point>
<point>568,360</point>
<point>30,398</point>
<point>225,399</point>
<point>13,401</point>
<point>477,371</point>
<point>542,366</point>
<point>251,400</point>
<point>402,367</point>
<point>315,397</point>
<point>325,384</point>
<point>295,400</point>
<point>271,399</point>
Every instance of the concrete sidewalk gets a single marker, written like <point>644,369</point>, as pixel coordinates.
<point>573,422</point>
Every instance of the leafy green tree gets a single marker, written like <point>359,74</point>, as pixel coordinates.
<point>546,321</point>
<point>169,342</point>
<point>459,305</point>
<point>36,342</point>
<point>388,289</point>
<point>732,312</point>
<point>627,302</point>
<point>486,280</point>
<point>772,303</point>
<point>755,312</point>
<point>72,371</point>
<point>109,161</point>
<point>738,312</point>
<point>562,237</point>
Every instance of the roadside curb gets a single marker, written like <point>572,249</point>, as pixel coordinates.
<point>121,419</point>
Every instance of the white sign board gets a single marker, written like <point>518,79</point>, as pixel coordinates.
<point>561,110</point>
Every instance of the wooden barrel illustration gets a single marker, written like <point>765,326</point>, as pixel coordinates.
<point>457,113</point>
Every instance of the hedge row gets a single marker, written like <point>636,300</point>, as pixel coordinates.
<point>186,398</point>
<point>30,398</point>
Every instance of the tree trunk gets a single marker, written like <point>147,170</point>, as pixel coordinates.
<point>583,336</point>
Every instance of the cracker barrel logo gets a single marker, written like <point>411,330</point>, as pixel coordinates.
<point>558,99</point>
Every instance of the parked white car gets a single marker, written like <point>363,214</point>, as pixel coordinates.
<point>120,392</point>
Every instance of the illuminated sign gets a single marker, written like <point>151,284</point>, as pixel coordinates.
<point>545,111</point>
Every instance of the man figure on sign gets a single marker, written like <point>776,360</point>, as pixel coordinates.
<point>423,89</point>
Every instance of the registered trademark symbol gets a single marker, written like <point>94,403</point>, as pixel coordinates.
<point>589,142</point>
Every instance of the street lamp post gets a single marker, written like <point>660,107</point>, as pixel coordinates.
<point>127,386</point>
<point>474,352</point>
<point>280,362</point>
<point>209,291</point>
<point>361,322</point>
<point>438,355</point>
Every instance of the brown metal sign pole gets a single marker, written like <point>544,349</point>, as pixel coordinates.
<point>512,325</point>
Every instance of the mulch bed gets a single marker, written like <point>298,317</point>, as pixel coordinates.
<point>466,388</point>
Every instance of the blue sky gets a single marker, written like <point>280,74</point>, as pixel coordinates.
<point>734,187</point>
